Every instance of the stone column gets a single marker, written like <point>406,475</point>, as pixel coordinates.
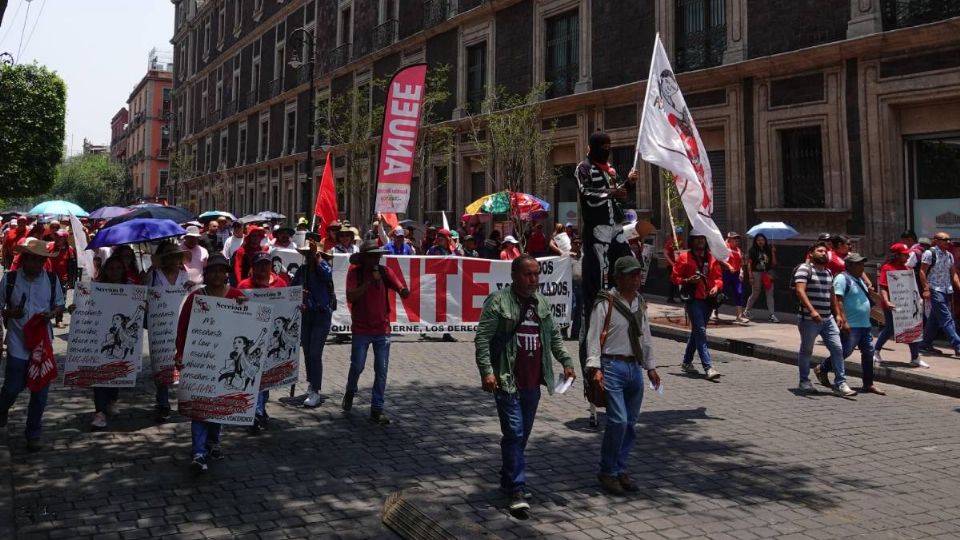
<point>736,50</point>
<point>865,18</point>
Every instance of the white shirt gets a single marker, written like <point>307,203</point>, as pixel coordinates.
<point>194,260</point>
<point>159,279</point>
<point>939,276</point>
<point>562,241</point>
<point>37,294</point>
<point>231,245</point>
<point>618,335</point>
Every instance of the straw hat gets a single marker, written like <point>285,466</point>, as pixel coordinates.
<point>35,246</point>
<point>369,247</point>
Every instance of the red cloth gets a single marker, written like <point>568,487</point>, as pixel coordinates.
<point>529,366</point>
<point>184,321</point>
<point>42,368</point>
<point>276,282</point>
<point>326,208</point>
<point>835,263</point>
<point>736,258</point>
<point>882,277</point>
<point>537,243</point>
<point>605,167</point>
<point>766,280</point>
<point>688,265</point>
<point>60,265</point>
<point>370,313</point>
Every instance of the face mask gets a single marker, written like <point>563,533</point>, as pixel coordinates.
<point>599,154</point>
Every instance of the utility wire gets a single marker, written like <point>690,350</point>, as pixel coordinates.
<point>11,19</point>
<point>34,28</point>
<point>23,31</point>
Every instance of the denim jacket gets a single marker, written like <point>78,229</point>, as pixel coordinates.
<point>496,344</point>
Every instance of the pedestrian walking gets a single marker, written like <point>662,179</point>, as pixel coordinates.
<point>697,272</point>
<point>619,350</point>
<point>195,256</point>
<point>63,264</point>
<point>368,286</point>
<point>319,303</point>
<point>938,280</point>
<point>733,276</point>
<point>242,262</point>
<point>761,260</point>
<point>516,343</point>
<point>233,243</point>
<point>899,253</point>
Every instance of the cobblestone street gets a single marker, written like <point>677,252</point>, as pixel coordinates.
<point>743,458</point>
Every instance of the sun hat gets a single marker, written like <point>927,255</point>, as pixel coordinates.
<point>509,239</point>
<point>368,247</point>
<point>166,248</point>
<point>193,231</point>
<point>35,246</point>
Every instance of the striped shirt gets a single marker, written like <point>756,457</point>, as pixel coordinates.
<point>819,284</point>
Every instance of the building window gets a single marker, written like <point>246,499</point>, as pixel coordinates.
<point>222,158</point>
<point>290,130</point>
<point>309,13</point>
<point>345,26</point>
<point>257,8</point>
<point>221,25</point>
<point>701,35</point>
<point>204,101</point>
<point>440,191</point>
<point>164,175</point>
<point>235,83</point>
<point>280,57</point>
<point>933,169</point>
<point>206,39</point>
<point>255,75</point>
<point>218,98</point>
<point>242,144</point>
<point>264,137</point>
<point>801,160</point>
<point>562,68</point>
<point>476,76</point>
<point>208,154</point>
<point>237,15</point>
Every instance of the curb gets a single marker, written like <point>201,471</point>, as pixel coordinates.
<point>7,527</point>
<point>907,379</point>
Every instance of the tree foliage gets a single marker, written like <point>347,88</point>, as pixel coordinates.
<point>32,116</point>
<point>91,181</point>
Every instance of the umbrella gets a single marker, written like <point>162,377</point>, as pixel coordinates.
<point>108,212</point>
<point>253,218</point>
<point>271,215</point>
<point>173,213</point>
<point>8,213</point>
<point>214,214</point>
<point>502,202</point>
<point>58,208</point>
<point>773,230</point>
<point>136,231</point>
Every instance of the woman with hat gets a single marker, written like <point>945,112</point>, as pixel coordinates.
<point>346,238</point>
<point>205,435</point>
<point>510,248</point>
<point>319,303</point>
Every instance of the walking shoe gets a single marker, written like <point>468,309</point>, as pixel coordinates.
<point>519,507</point>
<point>259,424</point>
<point>712,374</point>
<point>843,390</point>
<point>627,484</point>
<point>916,362</point>
<point>215,452</point>
<point>510,491</point>
<point>347,402</point>
<point>872,389</point>
<point>610,484</point>
<point>822,376</point>
<point>112,409</point>
<point>163,415</point>
<point>773,318</point>
<point>746,314</point>
<point>688,368</point>
<point>877,359</point>
<point>926,348</point>
<point>377,417</point>
<point>199,464</point>
<point>34,445</point>
<point>99,421</point>
<point>313,400</point>
<point>807,387</point>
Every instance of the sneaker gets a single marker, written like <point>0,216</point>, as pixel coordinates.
<point>610,484</point>
<point>872,389</point>
<point>99,421</point>
<point>688,368</point>
<point>843,390</point>
<point>822,376</point>
<point>916,362</point>
<point>347,402</point>
<point>377,417</point>
<point>519,507</point>
<point>163,415</point>
<point>199,464</point>
<point>773,318</point>
<point>877,359</point>
<point>112,409</point>
<point>34,445</point>
<point>807,387</point>
<point>313,400</point>
<point>215,452</point>
<point>712,374</point>
<point>627,484</point>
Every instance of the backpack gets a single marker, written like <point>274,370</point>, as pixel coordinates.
<point>793,283</point>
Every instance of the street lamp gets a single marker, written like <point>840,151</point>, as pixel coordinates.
<point>296,63</point>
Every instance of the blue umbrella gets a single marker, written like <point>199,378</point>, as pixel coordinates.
<point>773,230</point>
<point>58,208</point>
<point>136,231</point>
<point>214,214</point>
<point>108,212</point>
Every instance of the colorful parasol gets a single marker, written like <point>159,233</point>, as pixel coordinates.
<point>503,202</point>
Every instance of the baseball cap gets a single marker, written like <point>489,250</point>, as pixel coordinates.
<point>261,256</point>
<point>193,231</point>
<point>215,260</point>
<point>443,232</point>
<point>899,248</point>
<point>627,265</point>
<point>733,234</point>
<point>399,232</point>
<point>854,258</point>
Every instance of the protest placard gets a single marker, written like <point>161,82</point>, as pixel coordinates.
<point>282,364</point>
<point>163,310</point>
<point>908,317</point>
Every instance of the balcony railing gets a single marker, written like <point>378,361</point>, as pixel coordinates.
<point>385,34</point>
<point>905,13</point>
<point>341,55</point>
<point>702,49</point>
<point>436,11</point>
<point>275,87</point>
<point>361,48</point>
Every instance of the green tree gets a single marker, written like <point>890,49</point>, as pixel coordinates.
<point>32,113</point>
<point>91,181</point>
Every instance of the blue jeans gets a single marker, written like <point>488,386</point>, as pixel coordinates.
<point>202,434</point>
<point>828,330</point>
<point>699,313</point>
<point>887,333</point>
<point>163,397</point>
<point>623,384</point>
<point>381,361</point>
<point>103,396</point>
<point>941,318</point>
<point>15,380</point>
<point>262,399</point>
<point>517,412</point>
<point>316,328</point>
<point>857,338</point>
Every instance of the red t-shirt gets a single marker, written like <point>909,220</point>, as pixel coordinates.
<point>536,244</point>
<point>60,265</point>
<point>184,321</point>
<point>11,239</point>
<point>889,267</point>
<point>736,259</point>
<point>276,282</point>
<point>370,313</point>
<point>835,263</point>
<point>669,250</point>
<point>529,366</point>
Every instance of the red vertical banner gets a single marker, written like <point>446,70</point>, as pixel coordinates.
<point>398,143</point>
<point>326,207</point>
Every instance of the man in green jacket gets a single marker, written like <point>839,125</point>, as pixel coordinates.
<point>515,344</point>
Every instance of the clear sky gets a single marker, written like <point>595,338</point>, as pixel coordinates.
<point>99,47</point>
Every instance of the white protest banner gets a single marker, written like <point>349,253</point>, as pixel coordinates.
<point>286,261</point>
<point>223,355</point>
<point>646,259</point>
<point>447,293</point>
<point>908,317</point>
<point>106,335</point>
<point>282,364</point>
<point>163,312</point>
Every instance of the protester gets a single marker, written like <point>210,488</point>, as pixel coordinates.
<point>63,264</point>
<point>233,243</point>
<point>536,241</point>
<point>441,244</point>
<point>105,398</point>
<point>698,273</point>
<point>455,248</point>
<point>346,237</point>
<point>12,239</point>
<point>26,293</point>
<point>52,229</point>
<point>195,256</point>
<point>211,240</point>
<point>852,306</point>
<point>470,247</point>
<point>733,276</point>
<point>670,249</point>
<point>411,238</point>
<point>319,303</point>
<point>938,280</point>
<point>616,350</point>
<point>243,257</point>
<point>332,231</point>
<point>491,246</point>
<point>429,239</point>
<point>399,245</point>
<point>840,248</point>
<point>223,230</point>
<point>515,344</point>
<point>510,248</point>
<point>205,435</point>
<point>560,241</point>
<point>282,238</point>
<point>897,262</point>
<point>814,289</point>
<point>761,260</point>
<point>303,225</point>
<point>368,286</point>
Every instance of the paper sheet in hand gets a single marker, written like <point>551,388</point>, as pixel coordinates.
<point>563,385</point>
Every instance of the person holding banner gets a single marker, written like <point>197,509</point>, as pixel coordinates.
<point>205,435</point>
<point>319,303</point>
<point>899,254</point>
<point>697,272</point>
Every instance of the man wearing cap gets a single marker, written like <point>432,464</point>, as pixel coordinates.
<point>429,238</point>
<point>441,244</point>
<point>319,303</point>
<point>12,238</point>
<point>368,290</point>
<point>194,256</point>
<point>898,262</point>
<point>516,343</point>
<point>398,245</point>
<point>303,225</point>
<point>25,293</point>
<point>619,350</point>
<point>938,280</point>
<point>698,272</point>
<point>670,256</point>
<point>510,248</point>
<point>233,243</point>
<point>470,247</point>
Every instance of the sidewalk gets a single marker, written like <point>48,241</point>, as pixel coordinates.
<point>781,341</point>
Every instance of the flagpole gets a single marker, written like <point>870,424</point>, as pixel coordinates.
<point>666,175</point>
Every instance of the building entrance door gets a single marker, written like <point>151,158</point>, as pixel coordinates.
<point>933,184</point>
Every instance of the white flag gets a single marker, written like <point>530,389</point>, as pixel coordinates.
<point>669,139</point>
<point>446,224</point>
<point>84,257</point>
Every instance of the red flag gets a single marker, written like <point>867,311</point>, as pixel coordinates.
<point>391,219</point>
<point>42,368</point>
<point>326,208</point>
